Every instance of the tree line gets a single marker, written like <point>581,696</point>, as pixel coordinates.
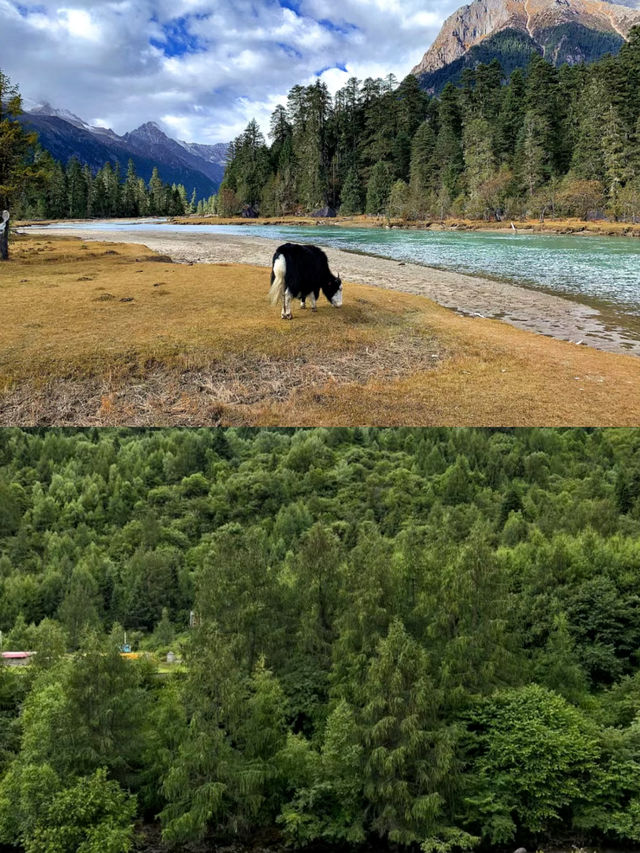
<point>546,141</point>
<point>76,192</point>
<point>413,639</point>
<point>35,185</point>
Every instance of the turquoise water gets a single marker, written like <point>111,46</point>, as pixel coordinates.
<point>593,268</point>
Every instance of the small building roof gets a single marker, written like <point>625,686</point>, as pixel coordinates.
<point>16,655</point>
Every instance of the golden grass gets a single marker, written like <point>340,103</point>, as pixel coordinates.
<point>200,345</point>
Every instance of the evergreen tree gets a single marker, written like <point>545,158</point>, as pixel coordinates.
<point>410,765</point>
<point>399,200</point>
<point>77,189</point>
<point>511,117</point>
<point>130,192</point>
<point>422,169</point>
<point>532,156</point>
<point>15,143</point>
<point>616,163</point>
<point>351,199</point>
<point>479,163</point>
<point>156,194</point>
<point>378,189</point>
<point>57,201</point>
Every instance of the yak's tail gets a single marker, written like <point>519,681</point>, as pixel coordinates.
<point>278,273</point>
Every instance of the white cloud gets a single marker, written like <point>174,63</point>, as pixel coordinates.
<point>203,68</point>
<point>79,24</point>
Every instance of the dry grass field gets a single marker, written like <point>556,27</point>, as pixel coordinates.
<point>111,334</point>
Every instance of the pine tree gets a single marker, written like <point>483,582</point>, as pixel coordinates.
<point>400,200</point>
<point>511,117</point>
<point>351,197</point>
<point>532,155</point>
<point>156,194</point>
<point>544,106</point>
<point>448,148</point>
<point>411,105</point>
<point>422,169</point>
<point>378,189</point>
<point>401,156</point>
<point>479,163</point>
<point>15,144</point>
<point>615,146</point>
<point>77,190</point>
<point>312,145</point>
<point>587,158</point>
<point>57,199</point>
<point>130,192</point>
<point>410,762</point>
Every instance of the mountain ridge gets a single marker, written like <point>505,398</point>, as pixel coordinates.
<point>570,31</point>
<point>66,135</point>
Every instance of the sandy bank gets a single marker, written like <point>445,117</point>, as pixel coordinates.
<point>471,296</point>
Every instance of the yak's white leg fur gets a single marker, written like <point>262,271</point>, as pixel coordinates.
<point>313,302</point>
<point>286,311</point>
<point>276,294</point>
<point>303,304</point>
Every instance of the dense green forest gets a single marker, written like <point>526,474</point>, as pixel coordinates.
<point>546,142</point>
<point>34,185</point>
<point>420,639</point>
<point>76,192</point>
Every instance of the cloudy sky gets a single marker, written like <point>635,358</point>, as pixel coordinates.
<point>203,68</point>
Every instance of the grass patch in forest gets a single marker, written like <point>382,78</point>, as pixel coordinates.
<point>109,334</point>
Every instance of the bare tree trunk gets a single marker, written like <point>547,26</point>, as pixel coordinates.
<point>4,236</point>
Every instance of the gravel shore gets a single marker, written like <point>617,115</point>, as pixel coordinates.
<point>472,296</point>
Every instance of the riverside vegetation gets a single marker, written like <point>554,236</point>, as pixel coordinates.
<point>413,639</point>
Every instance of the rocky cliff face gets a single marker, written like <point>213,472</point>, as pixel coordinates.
<point>536,20</point>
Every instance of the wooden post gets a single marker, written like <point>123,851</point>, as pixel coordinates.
<point>4,236</point>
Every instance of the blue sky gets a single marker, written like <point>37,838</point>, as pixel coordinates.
<point>203,68</point>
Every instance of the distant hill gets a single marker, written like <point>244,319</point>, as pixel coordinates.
<point>571,31</point>
<point>65,135</point>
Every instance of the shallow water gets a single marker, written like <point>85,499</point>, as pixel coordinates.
<point>587,267</point>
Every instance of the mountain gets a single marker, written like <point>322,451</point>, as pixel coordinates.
<point>65,135</point>
<point>562,31</point>
<point>151,141</point>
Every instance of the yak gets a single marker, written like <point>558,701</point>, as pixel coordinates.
<point>299,271</point>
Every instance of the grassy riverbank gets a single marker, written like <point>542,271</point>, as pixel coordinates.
<point>108,334</point>
<point>548,226</point>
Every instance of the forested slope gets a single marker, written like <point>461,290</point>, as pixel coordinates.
<point>505,143</point>
<point>414,637</point>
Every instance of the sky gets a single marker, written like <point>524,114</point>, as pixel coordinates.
<point>203,68</point>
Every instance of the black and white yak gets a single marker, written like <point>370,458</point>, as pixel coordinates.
<point>300,271</point>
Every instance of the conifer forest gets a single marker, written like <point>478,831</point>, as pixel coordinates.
<point>390,639</point>
<point>543,142</point>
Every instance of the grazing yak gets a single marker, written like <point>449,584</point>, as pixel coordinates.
<point>299,271</point>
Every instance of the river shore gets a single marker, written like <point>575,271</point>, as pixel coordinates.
<point>471,296</point>
<point>581,227</point>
